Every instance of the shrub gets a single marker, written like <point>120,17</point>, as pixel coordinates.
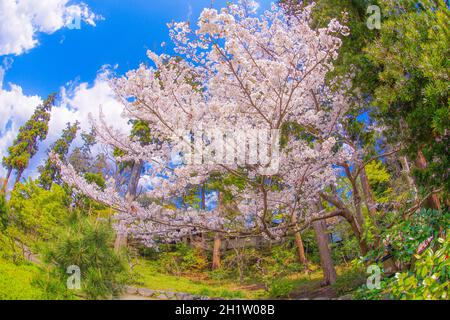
<point>279,288</point>
<point>181,258</point>
<point>37,212</point>
<point>349,281</point>
<point>88,245</point>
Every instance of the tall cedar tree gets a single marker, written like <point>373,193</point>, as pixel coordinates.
<point>25,146</point>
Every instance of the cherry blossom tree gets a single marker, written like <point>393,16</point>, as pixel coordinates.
<point>234,73</point>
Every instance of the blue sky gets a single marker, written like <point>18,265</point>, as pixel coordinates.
<point>128,30</point>
<point>41,54</point>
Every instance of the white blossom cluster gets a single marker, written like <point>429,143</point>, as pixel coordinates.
<point>233,70</point>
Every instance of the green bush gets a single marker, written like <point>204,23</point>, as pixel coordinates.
<point>37,212</point>
<point>428,279</point>
<point>279,288</point>
<point>181,258</point>
<point>349,281</point>
<point>89,245</point>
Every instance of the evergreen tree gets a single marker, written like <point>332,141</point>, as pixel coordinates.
<point>412,53</point>
<point>25,146</point>
<point>49,172</point>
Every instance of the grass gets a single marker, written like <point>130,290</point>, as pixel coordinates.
<point>147,275</point>
<point>16,282</point>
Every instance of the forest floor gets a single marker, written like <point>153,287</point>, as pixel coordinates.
<point>305,286</point>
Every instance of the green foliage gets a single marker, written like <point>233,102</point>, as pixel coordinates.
<point>181,258</point>
<point>379,178</point>
<point>349,281</point>
<point>25,145</point>
<point>411,53</point>
<point>267,266</point>
<point>280,287</point>
<point>148,274</point>
<point>23,282</point>
<point>406,236</point>
<point>89,245</point>
<point>15,282</point>
<point>37,212</point>
<point>428,279</point>
<point>3,213</point>
<point>348,248</point>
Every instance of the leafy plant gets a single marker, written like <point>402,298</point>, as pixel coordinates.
<point>89,245</point>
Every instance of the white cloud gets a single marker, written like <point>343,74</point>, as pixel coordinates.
<point>77,103</point>
<point>5,66</point>
<point>21,20</point>
<point>15,109</point>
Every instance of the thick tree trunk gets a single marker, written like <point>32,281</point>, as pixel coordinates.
<point>122,239</point>
<point>216,251</point>
<point>299,242</point>
<point>5,183</point>
<point>326,261</point>
<point>134,180</point>
<point>433,201</point>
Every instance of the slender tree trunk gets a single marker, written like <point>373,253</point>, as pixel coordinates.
<point>203,207</point>
<point>299,242</point>
<point>5,183</point>
<point>18,177</point>
<point>433,201</point>
<point>217,241</point>
<point>367,191</point>
<point>363,246</point>
<point>407,173</point>
<point>326,261</point>
<point>216,251</point>
<point>122,238</point>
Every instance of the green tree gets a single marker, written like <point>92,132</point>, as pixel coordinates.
<point>25,145</point>
<point>49,172</point>
<point>412,93</point>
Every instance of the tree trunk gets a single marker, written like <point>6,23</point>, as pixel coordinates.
<point>367,191</point>
<point>216,251</point>
<point>203,207</point>
<point>122,238</point>
<point>120,242</point>
<point>18,177</point>
<point>134,180</point>
<point>5,183</point>
<point>326,261</point>
<point>217,241</point>
<point>299,242</point>
<point>433,201</point>
<point>407,173</point>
